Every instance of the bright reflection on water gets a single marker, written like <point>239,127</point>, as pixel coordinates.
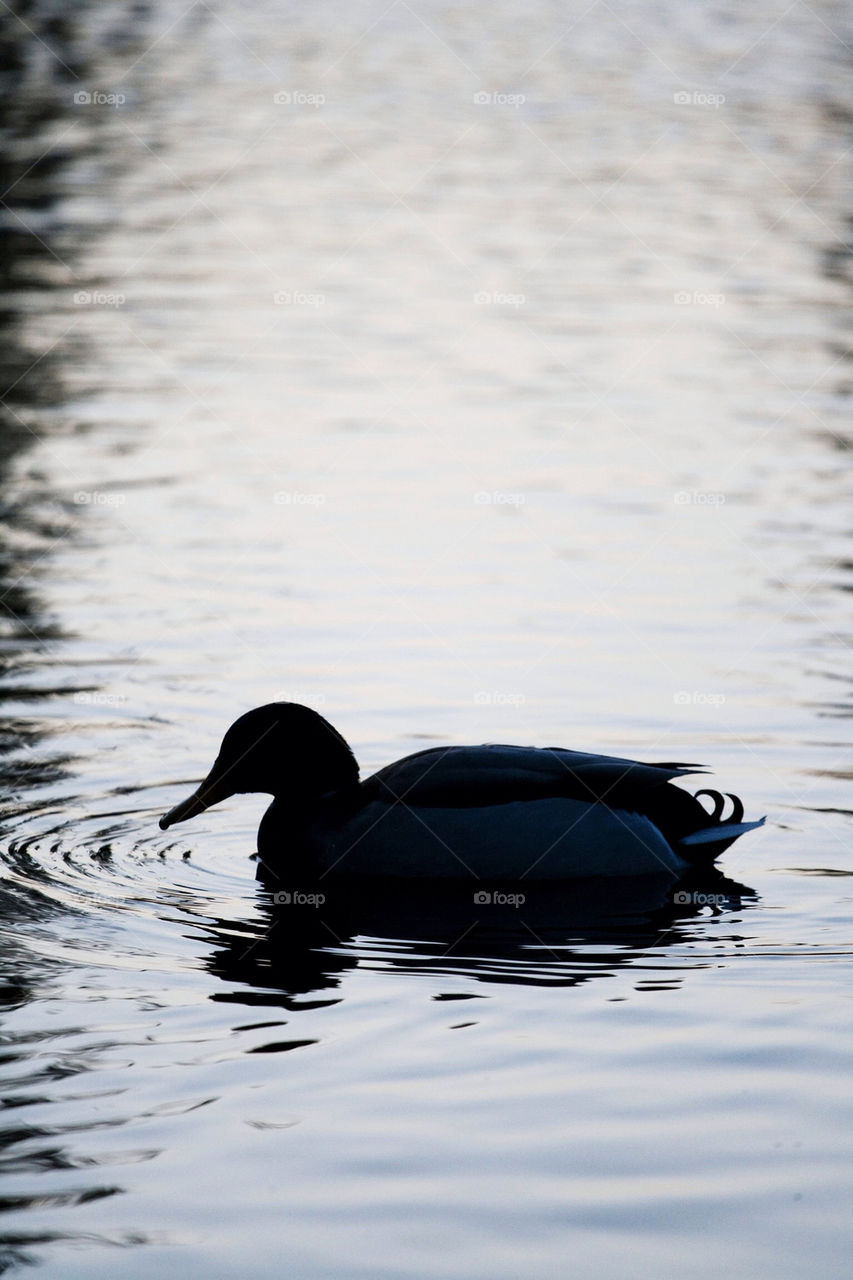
<point>520,418</point>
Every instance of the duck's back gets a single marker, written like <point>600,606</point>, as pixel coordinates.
<point>497,773</point>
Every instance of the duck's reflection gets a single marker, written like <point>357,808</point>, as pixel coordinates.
<point>530,933</point>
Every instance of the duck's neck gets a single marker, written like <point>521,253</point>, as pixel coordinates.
<point>317,781</point>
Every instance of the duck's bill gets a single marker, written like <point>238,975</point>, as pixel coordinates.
<point>210,792</point>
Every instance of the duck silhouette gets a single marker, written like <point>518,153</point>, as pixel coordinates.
<point>490,812</point>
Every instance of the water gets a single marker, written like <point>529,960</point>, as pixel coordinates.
<point>524,419</point>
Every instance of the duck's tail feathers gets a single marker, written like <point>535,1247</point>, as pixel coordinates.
<point>720,831</point>
<point>712,833</point>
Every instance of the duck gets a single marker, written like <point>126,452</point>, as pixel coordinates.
<point>491,812</point>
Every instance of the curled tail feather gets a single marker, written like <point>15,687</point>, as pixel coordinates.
<point>719,831</point>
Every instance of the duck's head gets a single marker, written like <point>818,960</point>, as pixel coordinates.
<point>284,749</point>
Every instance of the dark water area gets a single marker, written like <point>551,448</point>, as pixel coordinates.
<point>469,374</point>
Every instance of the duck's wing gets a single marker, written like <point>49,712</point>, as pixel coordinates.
<point>462,777</point>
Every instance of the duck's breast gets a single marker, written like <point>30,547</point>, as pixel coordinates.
<point>548,839</point>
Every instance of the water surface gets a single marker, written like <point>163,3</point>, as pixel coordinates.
<point>469,374</point>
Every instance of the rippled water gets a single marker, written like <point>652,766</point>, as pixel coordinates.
<point>493,384</point>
